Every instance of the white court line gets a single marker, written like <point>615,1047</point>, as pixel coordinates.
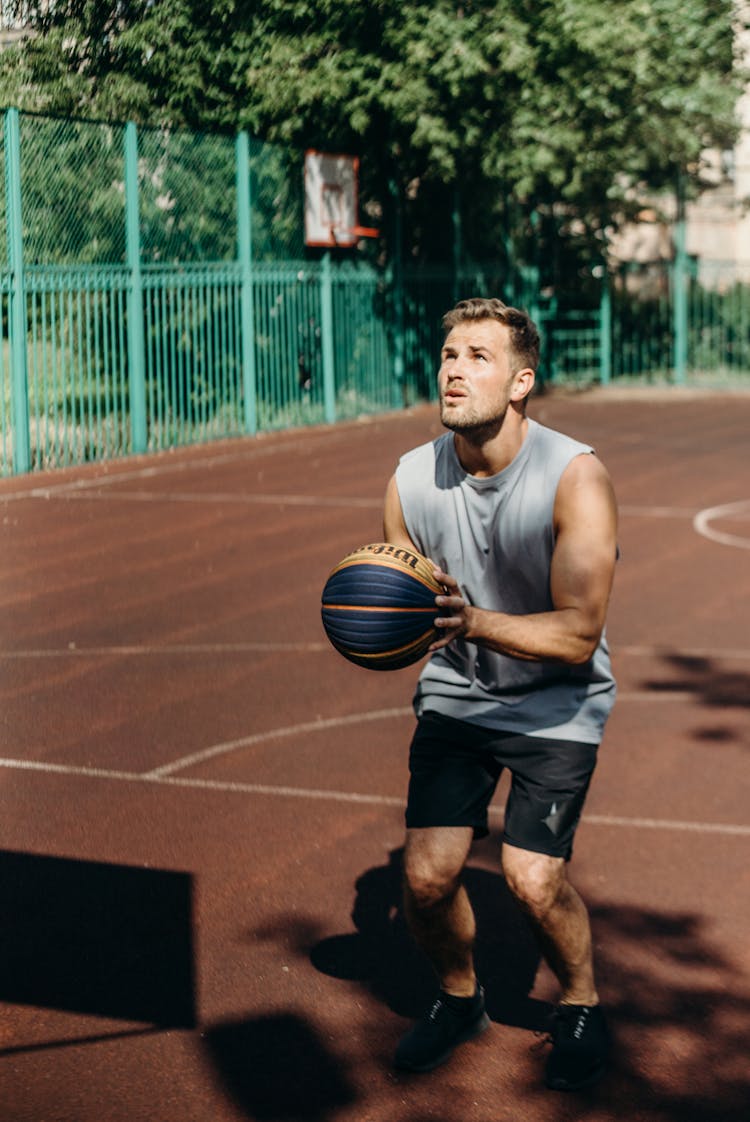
<point>693,652</point>
<point>352,797</point>
<point>74,651</point>
<point>737,510</point>
<point>682,697</point>
<point>275,734</point>
<point>667,824</point>
<point>250,450</point>
<point>55,489</point>
<point>208,497</point>
<point>201,784</point>
<point>657,511</point>
<point>663,693</point>
<point>93,489</point>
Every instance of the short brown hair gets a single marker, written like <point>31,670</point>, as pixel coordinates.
<point>524,337</point>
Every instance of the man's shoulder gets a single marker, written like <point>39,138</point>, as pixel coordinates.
<point>429,451</point>
<point>545,436</point>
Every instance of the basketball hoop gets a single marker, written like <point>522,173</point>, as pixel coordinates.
<point>331,199</point>
<point>340,237</point>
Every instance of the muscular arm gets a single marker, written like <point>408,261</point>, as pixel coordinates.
<point>394,527</point>
<point>580,580</point>
<point>582,569</point>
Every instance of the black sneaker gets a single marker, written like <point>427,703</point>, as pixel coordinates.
<point>433,1038</point>
<point>580,1047</point>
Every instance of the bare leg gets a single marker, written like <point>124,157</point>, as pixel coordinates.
<point>442,922</point>
<point>438,911</point>
<point>559,916</point>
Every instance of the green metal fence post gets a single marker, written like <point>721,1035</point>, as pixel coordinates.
<point>605,329</point>
<point>247,298</point>
<point>136,341</point>
<point>17,308</point>
<point>397,282</point>
<point>679,292</point>
<point>457,244</point>
<point>531,301</point>
<point>326,330</point>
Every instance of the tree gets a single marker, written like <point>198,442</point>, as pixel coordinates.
<point>563,111</point>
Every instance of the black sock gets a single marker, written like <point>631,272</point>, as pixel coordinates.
<point>461,1006</point>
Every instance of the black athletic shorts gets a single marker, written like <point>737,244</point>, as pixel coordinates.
<point>455,768</point>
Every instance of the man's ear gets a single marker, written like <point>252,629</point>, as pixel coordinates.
<point>523,384</point>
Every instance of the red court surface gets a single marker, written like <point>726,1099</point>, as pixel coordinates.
<point>202,801</point>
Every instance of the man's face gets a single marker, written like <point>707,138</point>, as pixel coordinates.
<point>475,377</point>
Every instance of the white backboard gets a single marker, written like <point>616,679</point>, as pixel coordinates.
<point>331,187</point>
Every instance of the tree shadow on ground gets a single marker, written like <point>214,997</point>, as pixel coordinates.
<point>680,1017</point>
<point>716,688</point>
<point>381,954</point>
<point>680,1010</point>
<point>277,1067</point>
<point>678,1005</point>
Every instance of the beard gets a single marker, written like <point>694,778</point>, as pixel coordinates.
<point>475,425</point>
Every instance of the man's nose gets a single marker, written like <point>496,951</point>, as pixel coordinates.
<point>458,369</point>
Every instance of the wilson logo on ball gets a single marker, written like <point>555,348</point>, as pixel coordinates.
<point>378,606</point>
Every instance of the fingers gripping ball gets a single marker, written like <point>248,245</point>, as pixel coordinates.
<point>379,607</point>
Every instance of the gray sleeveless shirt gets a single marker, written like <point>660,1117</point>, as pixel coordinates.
<point>495,536</point>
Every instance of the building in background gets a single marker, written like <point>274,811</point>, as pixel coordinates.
<point>16,17</point>
<point>717,221</point>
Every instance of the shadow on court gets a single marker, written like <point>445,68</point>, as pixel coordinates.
<point>276,1067</point>
<point>675,1004</point>
<point>680,1015</point>
<point>727,692</point>
<point>89,937</point>
<point>713,685</point>
<point>381,955</point>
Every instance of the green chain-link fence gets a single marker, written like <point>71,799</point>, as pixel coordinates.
<point>155,290</point>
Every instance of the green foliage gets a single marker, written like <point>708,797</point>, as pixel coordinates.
<point>73,192</point>
<point>187,197</point>
<point>564,106</point>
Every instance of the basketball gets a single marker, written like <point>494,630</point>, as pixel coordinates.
<point>378,606</point>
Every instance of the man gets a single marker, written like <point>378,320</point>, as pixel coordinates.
<point>520,522</point>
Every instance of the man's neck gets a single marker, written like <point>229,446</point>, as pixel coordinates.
<point>488,454</point>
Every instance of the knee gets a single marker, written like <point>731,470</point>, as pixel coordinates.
<point>535,880</point>
<point>428,885</point>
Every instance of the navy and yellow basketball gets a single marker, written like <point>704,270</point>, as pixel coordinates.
<point>378,606</point>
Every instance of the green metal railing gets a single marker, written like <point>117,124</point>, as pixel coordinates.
<point>75,357</point>
<point>165,297</point>
<point>157,345</point>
